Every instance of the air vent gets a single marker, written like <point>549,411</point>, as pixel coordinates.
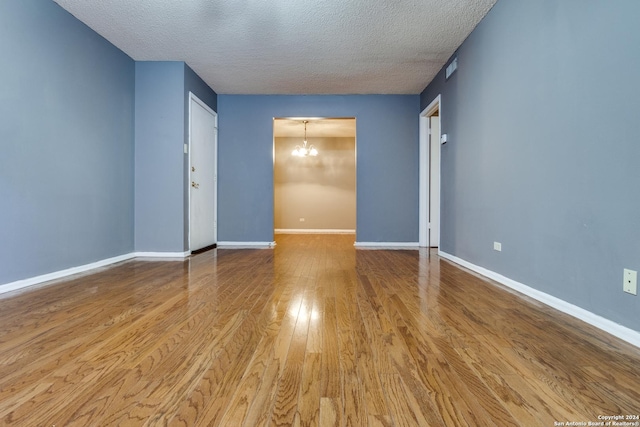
<point>451,68</point>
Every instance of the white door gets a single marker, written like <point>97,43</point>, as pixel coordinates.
<point>434,181</point>
<point>203,149</point>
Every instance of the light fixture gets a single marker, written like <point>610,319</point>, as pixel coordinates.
<point>305,151</point>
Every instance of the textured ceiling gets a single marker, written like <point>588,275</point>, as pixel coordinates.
<point>291,47</point>
<point>335,128</point>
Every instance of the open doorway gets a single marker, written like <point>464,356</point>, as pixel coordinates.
<point>314,191</point>
<point>430,136</point>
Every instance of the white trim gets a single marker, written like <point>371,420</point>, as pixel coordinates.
<point>386,245</point>
<point>238,245</point>
<point>629,335</point>
<point>188,182</point>
<point>423,203</point>
<point>423,198</point>
<point>313,231</point>
<point>31,281</point>
<point>171,255</point>
<point>19,284</point>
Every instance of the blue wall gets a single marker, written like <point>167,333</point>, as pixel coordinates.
<point>387,162</point>
<point>66,133</point>
<point>543,152</point>
<point>159,156</point>
<point>161,176</point>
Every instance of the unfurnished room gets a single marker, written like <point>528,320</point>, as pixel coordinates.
<point>338,213</point>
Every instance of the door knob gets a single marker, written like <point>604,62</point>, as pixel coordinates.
<point>194,185</point>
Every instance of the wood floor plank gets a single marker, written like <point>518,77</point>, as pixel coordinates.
<point>311,333</point>
<point>254,375</point>
<point>404,409</point>
<point>259,412</point>
<point>329,412</point>
<point>353,403</point>
<point>378,412</point>
<point>309,398</point>
<point>330,366</point>
<point>286,397</point>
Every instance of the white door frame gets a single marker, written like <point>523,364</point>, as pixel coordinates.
<point>423,223</point>
<point>194,98</point>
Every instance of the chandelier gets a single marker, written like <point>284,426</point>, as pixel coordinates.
<point>305,151</point>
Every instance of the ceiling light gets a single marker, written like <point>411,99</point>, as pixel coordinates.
<point>305,151</point>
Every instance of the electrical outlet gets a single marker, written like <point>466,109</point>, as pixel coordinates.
<point>630,282</point>
<point>301,219</point>
<point>497,246</point>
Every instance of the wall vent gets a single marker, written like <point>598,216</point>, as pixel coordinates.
<point>453,66</point>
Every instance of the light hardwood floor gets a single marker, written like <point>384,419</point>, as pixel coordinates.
<point>313,332</point>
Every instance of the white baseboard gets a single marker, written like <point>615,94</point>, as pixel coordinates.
<point>386,245</point>
<point>627,334</point>
<point>247,245</point>
<point>313,231</point>
<point>20,284</point>
<point>162,255</point>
